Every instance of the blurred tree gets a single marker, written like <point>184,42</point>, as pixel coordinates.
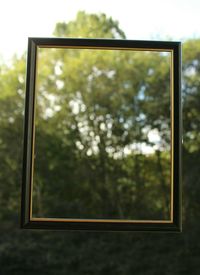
<point>191,126</point>
<point>101,103</point>
<point>90,26</point>
<point>11,123</point>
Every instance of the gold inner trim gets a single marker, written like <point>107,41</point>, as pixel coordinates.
<point>104,48</point>
<point>99,220</point>
<point>171,147</point>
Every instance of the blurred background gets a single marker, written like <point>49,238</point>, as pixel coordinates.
<point>51,252</point>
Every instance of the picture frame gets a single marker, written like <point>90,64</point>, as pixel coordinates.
<point>28,221</point>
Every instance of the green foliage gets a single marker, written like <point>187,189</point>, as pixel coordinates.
<point>109,99</point>
<point>11,123</point>
<point>90,26</point>
<point>191,95</point>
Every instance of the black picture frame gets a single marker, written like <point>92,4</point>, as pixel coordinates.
<point>27,222</point>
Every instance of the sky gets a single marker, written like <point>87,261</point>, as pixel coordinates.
<point>140,20</point>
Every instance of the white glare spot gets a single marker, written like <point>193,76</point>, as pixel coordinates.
<point>21,79</point>
<point>49,112</point>
<point>110,74</point>
<point>127,151</point>
<point>74,106</point>
<point>103,126</point>
<point>57,108</point>
<point>11,119</point>
<point>59,84</point>
<point>89,152</point>
<point>79,145</point>
<point>57,69</point>
<point>154,136</point>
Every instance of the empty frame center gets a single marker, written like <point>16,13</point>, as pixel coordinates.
<point>102,142</point>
